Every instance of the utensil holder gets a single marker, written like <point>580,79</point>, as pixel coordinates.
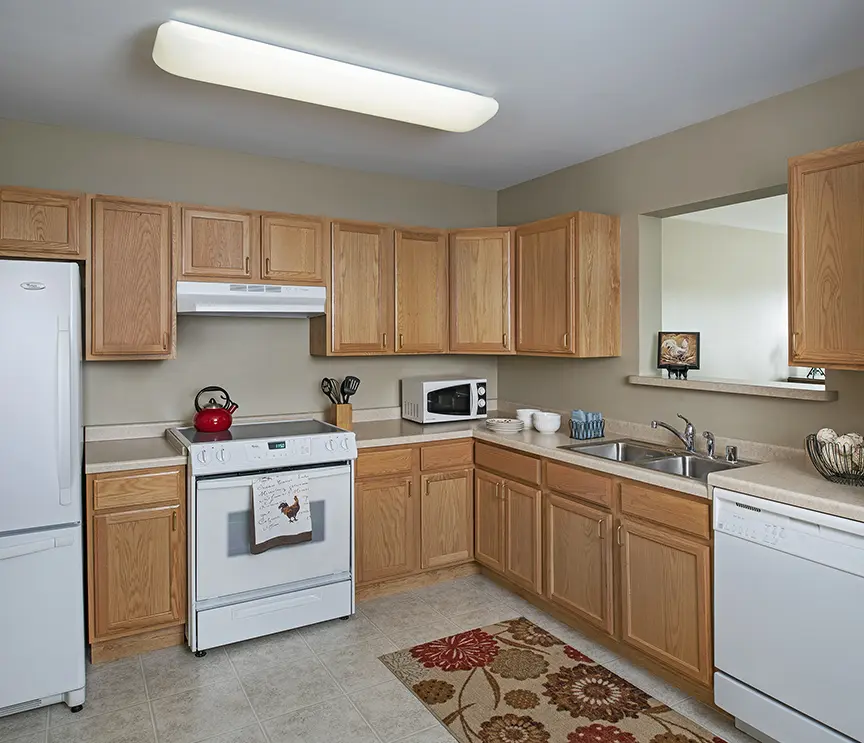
<point>587,429</point>
<point>341,416</point>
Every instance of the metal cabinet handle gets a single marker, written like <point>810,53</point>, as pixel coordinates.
<point>164,341</point>
<point>566,340</point>
<point>618,535</point>
<point>247,264</point>
<point>504,340</point>
<point>600,528</point>
<point>267,266</point>
<point>174,521</point>
<point>385,340</point>
<point>795,343</point>
<point>401,340</point>
<point>409,488</point>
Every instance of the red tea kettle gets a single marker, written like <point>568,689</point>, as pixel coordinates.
<point>214,416</point>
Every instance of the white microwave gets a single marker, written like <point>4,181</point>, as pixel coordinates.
<point>441,399</point>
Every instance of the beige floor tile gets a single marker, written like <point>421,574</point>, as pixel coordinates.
<point>278,689</point>
<point>176,669</point>
<point>202,713</point>
<point>712,720</point>
<point>338,633</point>
<point>110,686</point>
<point>490,587</point>
<point>357,666</point>
<point>24,723</point>
<point>399,612</point>
<point>647,681</point>
<point>35,738</point>
<point>252,734</point>
<point>393,711</point>
<point>455,597</point>
<point>329,722</point>
<point>279,648</point>
<point>437,734</point>
<point>417,635</point>
<point>484,616</point>
<point>130,725</point>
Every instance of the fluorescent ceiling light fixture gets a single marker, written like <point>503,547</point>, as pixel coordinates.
<point>222,59</point>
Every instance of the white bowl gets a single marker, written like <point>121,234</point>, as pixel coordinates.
<point>547,422</point>
<point>526,415</point>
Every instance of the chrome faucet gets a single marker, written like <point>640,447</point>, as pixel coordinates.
<point>688,438</point>
<point>711,443</point>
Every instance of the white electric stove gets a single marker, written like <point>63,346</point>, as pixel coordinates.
<point>236,595</point>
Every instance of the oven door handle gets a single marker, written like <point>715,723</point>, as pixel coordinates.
<point>241,480</point>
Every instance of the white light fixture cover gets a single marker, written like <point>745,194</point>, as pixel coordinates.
<point>222,59</point>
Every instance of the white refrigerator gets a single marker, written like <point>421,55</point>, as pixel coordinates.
<point>42,639</point>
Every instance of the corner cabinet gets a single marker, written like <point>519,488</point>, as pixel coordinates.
<point>481,280</point>
<point>42,224</point>
<point>826,258</point>
<point>568,286</point>
<point>131,287</point>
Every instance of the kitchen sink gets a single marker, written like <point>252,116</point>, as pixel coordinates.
<point>689,465</point>
<point>619,451</point>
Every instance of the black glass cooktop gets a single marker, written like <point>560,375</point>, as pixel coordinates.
<point>249,431</point>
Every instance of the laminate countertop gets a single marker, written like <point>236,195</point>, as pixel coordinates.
<point>130,454</point>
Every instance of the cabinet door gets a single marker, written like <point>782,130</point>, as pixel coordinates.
<point>545,286</point>
<point>665,598</point>
<point>489,520</point>
<point>480,295</point>
<point>523,535</point>
<point>217,244</point>
<point>361,299</point>
<point>598,285</point>
<point>579,559</point>
<point>386,528</point>
<point>41,224</point>
<point>132,292</point>
<point>447,518</point>
<point>826,258</point>
<point>421,292</point>
<point>292,249</point>
<point>139,568</point>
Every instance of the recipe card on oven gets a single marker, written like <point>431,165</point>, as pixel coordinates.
<point>280,511</point>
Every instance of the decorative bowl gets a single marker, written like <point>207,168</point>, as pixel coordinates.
<point>547,422</point>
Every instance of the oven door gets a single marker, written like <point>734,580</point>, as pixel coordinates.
<point>455,401</point>
<point>224,564</point>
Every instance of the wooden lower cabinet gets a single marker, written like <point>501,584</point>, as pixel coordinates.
<point>489,520</point>
<point>523,535</point>
<point>447,518</point>
<point>578,559</point>
<point>665,598</point>
<point>387,525</point>
<point>136,556</point>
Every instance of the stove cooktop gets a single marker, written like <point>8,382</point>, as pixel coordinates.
<point>253,431</point>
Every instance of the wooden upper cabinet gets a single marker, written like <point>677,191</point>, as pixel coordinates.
<point>421,291</point>
<point>361,300</point>
<point>826,258</point>
<point>545,286</point>
<point>131,288</point>
<point>217,244</point>
<point>666,598</point>
<point>481,277</point>
<point>568,290</point>
<point>42,224</point>
<point>293,249</point>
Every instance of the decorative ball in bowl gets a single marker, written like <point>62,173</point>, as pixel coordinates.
<point>547,422</point>
<point>839,459</point>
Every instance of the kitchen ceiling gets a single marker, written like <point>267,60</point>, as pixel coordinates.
<point>574,78</point>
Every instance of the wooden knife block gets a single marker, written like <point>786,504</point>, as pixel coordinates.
<point>340,416</point>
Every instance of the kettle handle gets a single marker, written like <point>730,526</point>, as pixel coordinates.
<point>228,403</point>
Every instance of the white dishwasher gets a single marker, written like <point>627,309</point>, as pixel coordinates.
<point>788,620</point>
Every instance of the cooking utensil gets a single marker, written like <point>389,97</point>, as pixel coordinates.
<point>214,416</point>
<point>328,387</point>
<point>335,385</point>
<point>350,385</point>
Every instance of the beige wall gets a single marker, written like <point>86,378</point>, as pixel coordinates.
<point>264,363</point>
<point>742,151</point>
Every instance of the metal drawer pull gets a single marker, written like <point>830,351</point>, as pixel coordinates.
<point>600,528</point>
<point>618,535</point>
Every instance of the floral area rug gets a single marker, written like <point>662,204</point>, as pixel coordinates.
<point>514,682</point>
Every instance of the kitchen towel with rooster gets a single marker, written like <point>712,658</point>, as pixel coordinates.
<point>280,511</point>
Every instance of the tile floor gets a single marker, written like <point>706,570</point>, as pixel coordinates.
<point>322,683</point>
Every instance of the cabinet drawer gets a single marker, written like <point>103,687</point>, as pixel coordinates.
<point>508,463</point>
<point>137,488</point>
<point>452,454</point>
<point>582,484</point>
<point>666,509</point>
<point>384,462</point>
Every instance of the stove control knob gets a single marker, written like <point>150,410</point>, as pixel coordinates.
<point>330,444</point>
<point>223,455</point>
<point>345,444</point>
<point>204,456</point>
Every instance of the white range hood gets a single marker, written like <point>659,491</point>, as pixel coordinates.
<point>249,300</point>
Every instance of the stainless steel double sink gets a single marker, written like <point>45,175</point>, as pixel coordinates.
<point>656,457</point>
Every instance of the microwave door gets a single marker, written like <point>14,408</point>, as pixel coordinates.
<point>455,401</point>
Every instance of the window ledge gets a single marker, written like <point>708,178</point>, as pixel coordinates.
<point>781,390</point>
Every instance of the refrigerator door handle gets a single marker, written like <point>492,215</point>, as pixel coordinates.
<point>64,410</point>
<point>28,548</point>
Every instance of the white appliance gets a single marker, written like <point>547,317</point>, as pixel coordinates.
<point>442,399</point>
<point>234,594</point>
<point>42,639</point>
<point>788,621</point>
<point>249,300</point>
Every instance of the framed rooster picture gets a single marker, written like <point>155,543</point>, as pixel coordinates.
<point>677,352</point>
